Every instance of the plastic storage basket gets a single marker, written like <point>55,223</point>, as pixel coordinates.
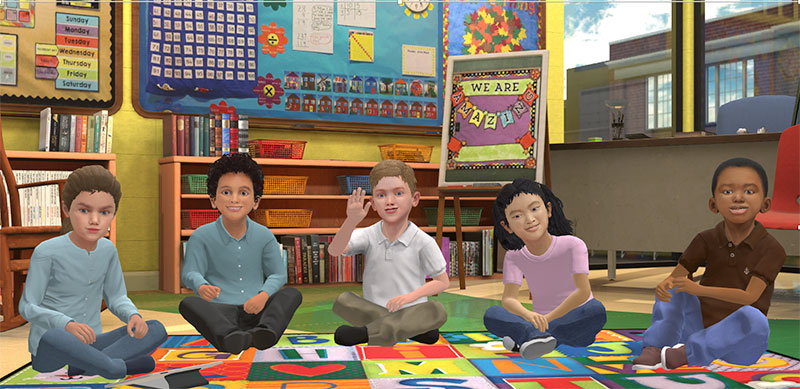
<point>193,218</point>
<point>406,153</point>
<point>267,148</point>
<point>469,216</point>
<point>297,218</point>
<point>194,184</point>
<point>347,184</point>
<point>285,185</point>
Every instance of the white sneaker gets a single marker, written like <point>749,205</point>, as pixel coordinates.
<point>537,347</point>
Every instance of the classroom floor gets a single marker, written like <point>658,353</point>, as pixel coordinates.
<point>631,292</point>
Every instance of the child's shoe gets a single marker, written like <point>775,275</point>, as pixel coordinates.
<point>673,357</point>
<point>350,336</point>
<point>649,359</point>
<point>510,344</point>
<point>236,341</point>
<point>537,347</point>
<point>140,365</point>
<point>263,338</point>
<point>430,337</point>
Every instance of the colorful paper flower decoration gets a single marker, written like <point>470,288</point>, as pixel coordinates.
<point>274,4</point>
<point>272,39</point>
<point>493,30</point>
<point>268,90</point>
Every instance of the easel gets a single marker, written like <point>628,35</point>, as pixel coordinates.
<point>457,192</point>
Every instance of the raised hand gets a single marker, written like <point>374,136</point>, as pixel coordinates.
<point>356,209</point>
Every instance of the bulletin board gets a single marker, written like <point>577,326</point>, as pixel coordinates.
<point>494,126</point>
<point>343,64</point>
<point>58,54</point>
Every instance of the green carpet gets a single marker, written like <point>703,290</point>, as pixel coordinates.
<point>463,314</point>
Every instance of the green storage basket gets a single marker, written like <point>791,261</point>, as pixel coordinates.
<point>469,216</point>
<point>194,184</point>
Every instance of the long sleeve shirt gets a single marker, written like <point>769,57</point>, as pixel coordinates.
<point>66,283</point>
<point>241,268</point>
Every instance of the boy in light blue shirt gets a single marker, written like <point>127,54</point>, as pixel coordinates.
<point>67,278</point>
<point>235,266</point>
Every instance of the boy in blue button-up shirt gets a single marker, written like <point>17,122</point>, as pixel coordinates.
<point>67,278</point>
<point>235,266</point>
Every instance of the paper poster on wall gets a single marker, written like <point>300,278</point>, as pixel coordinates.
<point>356,13</point>
<point>312,26</point>
<point>362,47</point>
<point>419,61</point>
<point>494,124</point>
<point>17,13</point>
<point>8,59</point>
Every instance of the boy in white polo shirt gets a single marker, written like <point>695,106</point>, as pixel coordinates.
<point>398,257</point>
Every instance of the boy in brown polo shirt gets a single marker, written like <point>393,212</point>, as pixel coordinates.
<point>724,316</point>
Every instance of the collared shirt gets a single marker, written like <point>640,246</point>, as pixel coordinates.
<point>731,266</point>
<point>241,268</point>
<point>66,283</point>
<point>395,268</point>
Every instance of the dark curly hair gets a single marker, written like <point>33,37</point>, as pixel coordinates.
<point>236,163</point>
<point>741,162</point>
<point>557,223</point>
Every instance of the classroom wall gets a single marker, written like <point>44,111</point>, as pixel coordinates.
<point>138,146</point>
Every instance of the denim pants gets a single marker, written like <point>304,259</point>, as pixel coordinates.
<point>386,328</point>
<point>740,338</point>
<point>105,357</point>
<point>577,328</point>
<point>216,320</point>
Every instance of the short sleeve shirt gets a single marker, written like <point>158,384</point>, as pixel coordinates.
<point>730,266</point>
<point>395,268</point>
<point>549,275</point>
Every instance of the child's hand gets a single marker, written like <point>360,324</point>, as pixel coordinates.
<point>137,327</point>
<point>356,209</point>
<point>256,303</point>
<point>539,321</point>
<point>396,303</point>
<point>662,290</point>
<point>83,332</point>
<point>686,285</point>
<point>208,292</point>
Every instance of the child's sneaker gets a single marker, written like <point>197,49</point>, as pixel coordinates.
<point>537,347</point>
<point>649,359</point>
<point>510,344</point>
<point>673,357</point>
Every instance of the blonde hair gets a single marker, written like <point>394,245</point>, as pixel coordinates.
<point>92,178</point>
<point>393,168</point>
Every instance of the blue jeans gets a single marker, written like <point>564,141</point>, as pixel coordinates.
<point>740,338</point>
<point>105,357</point>
<point>577,328</point>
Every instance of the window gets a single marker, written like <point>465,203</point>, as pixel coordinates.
<point>728,82</point>
<point>659,101</point>
<point>617,72</point>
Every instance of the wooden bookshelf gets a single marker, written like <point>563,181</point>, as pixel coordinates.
<point>322,196</point>
<point>60,161</point>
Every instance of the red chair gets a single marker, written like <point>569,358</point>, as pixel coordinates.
<point>784,214</point>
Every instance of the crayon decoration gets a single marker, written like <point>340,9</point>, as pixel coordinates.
<point>595,139</point>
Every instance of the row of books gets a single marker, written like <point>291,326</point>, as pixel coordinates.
<point>212,135</point>
<point>308,261</point>
<point>39,206</point>
<point>75,133</point>
<point>477,255</point>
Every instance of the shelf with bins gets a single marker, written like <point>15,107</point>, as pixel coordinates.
<point>322,195</point>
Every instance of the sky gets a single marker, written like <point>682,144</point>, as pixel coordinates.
<point>589,26</point>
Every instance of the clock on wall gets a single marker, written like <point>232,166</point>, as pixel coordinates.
<point>417,8</point>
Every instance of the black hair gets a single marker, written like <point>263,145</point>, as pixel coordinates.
<point>741,162</point>
<point>236,163</point>
<point>557,223</point>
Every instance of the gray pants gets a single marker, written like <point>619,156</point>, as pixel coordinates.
<point>387,328</point>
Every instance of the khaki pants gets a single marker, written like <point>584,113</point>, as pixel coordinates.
<point>387,328</point>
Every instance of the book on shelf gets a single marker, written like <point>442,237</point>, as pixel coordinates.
<point>66,132</point>
<point>90,134</point>
<point>45,128</point>
<point>315,270</point>
<point>201,136</point>
<point>39,206</point>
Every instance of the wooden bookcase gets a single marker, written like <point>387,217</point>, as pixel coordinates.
<point>57,161</point>
<point>323,196</point>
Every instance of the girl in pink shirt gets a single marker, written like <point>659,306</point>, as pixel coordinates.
<point>529,222</point>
